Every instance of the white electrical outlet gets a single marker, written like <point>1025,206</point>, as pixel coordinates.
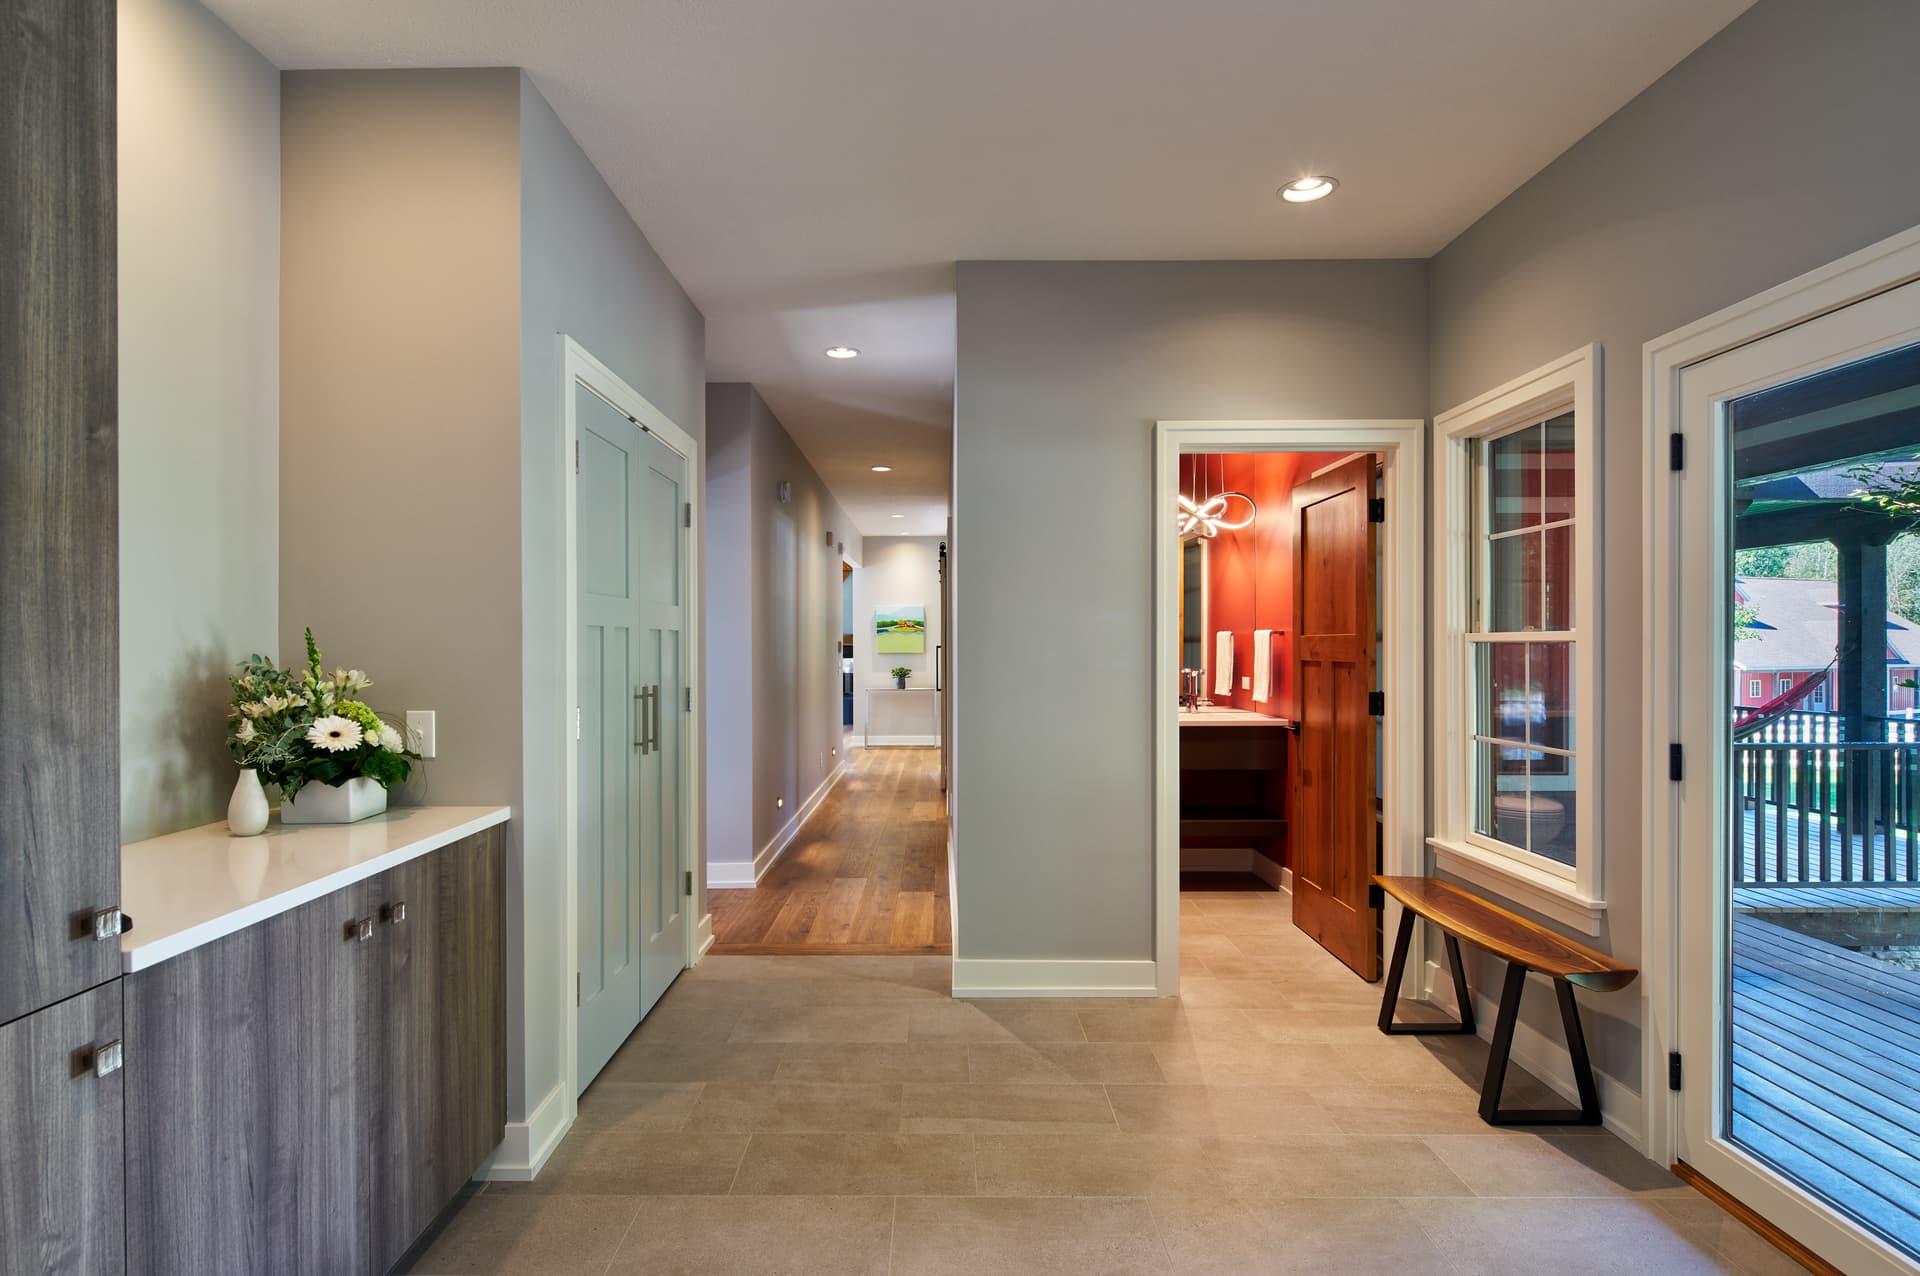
<point>420,731</point>
<point>1246,684</point>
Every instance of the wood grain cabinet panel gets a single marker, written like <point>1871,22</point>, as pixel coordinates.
<point>246,1107</point>
<point>60,1141</point>
<point>59,478</point>
<point>438,1067</point>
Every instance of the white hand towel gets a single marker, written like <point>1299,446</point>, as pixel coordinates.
<point>1223,663</point>
<point>1262,664</point>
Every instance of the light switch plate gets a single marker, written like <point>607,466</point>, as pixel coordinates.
<point>1246,684</point>
<point>420,731</point>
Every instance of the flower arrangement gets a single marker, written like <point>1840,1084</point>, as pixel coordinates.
<point>297,727</point>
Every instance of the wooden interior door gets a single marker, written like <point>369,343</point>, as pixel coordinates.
<point>1333,831</point>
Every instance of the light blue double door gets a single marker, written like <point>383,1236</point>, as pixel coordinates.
<point>633,898</point>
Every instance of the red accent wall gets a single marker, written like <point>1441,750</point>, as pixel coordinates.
<point>1250,572</point>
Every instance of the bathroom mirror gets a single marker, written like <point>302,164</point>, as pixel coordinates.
<point>1193,605</point>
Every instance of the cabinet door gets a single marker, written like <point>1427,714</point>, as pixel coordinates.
<point>59,539</point>
<point>246,1109</point>
<point>60,1141</point>
<point>438,1059</point>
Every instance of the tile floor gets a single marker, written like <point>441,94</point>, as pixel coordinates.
<point>844,1115</point>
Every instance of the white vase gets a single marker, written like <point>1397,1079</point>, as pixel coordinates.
<point>335,803</point>
<point>247,808</point>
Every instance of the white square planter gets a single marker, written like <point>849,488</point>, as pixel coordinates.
<point>335,804</point>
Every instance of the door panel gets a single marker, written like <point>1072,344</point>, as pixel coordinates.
<point>609,826</point>
<point>1334,840</point>
<point>662,591</point>
<point>59,541</point>
<point>1799,994</point>
<point>61,1192</point>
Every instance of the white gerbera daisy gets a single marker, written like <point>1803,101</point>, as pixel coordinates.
<point>390,738</point>
<point>334,734</point>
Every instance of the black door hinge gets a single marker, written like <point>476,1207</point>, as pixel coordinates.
<point>1676,452</point>
<point>1377,510</point>
<point>1377,703</point>
<point>1676,763</point>
<point>1673,1070</point>
<point>689,883</point>
<point>689,514</point>
<point>1376,898</point>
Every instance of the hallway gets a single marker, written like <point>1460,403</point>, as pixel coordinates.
<point>844,1115</point>
<point>867,875</point>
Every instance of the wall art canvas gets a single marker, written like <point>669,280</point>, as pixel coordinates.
<point>900,629</point>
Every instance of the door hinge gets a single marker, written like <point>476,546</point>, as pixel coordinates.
<point>689,883</point>
<point>576,456</point>
<point>1676,763</point>
<point>1377,509</point>
<point>689,513</point>
<point>1673,1070</point>
<point>1376,897</point>
<point>1676,451</point>
<point>576,987</point>
<point>689,699</point>
<point>1377,703</point>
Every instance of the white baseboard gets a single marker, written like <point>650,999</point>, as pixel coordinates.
<point>735,875</point>
<point>702,937</point>
<point>988,977</point>
<point>1545,1056</point>
<point>523,1152</point>
<point>1274,875</point>
<point>902,741</point>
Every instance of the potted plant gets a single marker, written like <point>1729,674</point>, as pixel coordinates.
<point>308,732</point>
<point>900,675</point>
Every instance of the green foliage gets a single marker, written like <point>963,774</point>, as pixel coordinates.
<point>901,671</point>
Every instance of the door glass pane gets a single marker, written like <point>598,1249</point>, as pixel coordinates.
<point>1822,964</point>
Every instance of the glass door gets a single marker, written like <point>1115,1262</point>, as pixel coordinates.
<point>1799,908</point>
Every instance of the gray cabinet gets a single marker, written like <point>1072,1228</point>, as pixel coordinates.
<point>309,1093</point>
<point>60,1150</point>
<point>438,1079</point>
<point>59,539</point>
<point>246,1115</point>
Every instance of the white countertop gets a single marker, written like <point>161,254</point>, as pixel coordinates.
<point>1225,716</point>
<point>190,888</point>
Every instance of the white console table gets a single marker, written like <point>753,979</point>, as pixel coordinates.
<point>901,718</point>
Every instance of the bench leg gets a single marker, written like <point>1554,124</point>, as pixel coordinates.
<point>1588,1113</point>
<point>1397,969</point>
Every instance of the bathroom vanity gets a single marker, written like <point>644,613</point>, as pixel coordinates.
<point>1234,780</point>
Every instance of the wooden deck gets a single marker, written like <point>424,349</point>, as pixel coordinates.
<point>1826,1070</point>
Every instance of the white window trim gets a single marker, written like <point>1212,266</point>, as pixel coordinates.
<point>1572,896</point>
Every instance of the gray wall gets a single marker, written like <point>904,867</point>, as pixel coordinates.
<point>587,272</point>
<point>896,569</point>
<point>1062,370</point>
<point>780,584</point>
<point>199,245</point>
<point>1786,141</point>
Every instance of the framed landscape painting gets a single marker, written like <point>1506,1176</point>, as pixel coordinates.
<point>900,629</point>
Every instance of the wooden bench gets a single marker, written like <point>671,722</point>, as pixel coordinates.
<point>1525,946</point>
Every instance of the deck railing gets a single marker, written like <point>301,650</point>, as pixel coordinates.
<point>1814,809</point>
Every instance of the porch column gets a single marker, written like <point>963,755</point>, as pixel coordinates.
<point>1862,672</point>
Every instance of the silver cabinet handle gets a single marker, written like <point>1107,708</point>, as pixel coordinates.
<point>359,930</point>
<point>109,923</point>
<point>108,1058</point>
<point>395,913</point>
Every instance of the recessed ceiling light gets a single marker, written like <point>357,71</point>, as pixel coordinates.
<point>896,516</point>
<point>842,352</point>
<point>883,469</point>
<point>1307,189</point>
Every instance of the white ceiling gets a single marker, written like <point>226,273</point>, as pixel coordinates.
<point>810,169</point>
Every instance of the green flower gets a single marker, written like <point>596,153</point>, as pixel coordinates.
<point>354,711</point>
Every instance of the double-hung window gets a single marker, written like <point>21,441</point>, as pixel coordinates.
<point>1516,753</point>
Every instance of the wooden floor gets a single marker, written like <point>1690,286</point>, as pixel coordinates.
<point>1826,1071</point>
<point>867,874</point>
